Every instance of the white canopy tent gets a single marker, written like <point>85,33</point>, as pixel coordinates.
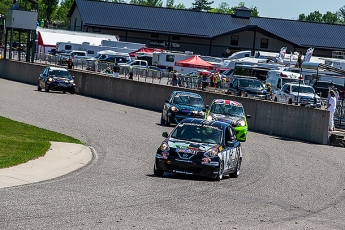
<point>47,38</point>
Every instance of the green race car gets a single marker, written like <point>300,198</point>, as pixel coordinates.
<point>231,112</point>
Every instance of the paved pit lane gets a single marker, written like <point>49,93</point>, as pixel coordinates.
<point>284,184</point>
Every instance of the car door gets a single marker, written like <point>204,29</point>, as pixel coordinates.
<point>282,94</point>
<point>167,104</point>
<point>229,151</point>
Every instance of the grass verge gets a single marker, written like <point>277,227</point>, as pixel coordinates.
<point>21,142</point>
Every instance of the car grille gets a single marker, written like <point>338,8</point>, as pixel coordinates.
<point>307,100</point>
<point>186,169</point>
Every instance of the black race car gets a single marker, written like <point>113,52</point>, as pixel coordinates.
<point>56,79</point>
<point>181,105</point>
<point>200,147</point>
<point>248,87</point>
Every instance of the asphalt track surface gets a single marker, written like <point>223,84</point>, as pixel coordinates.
<point>284,184</point>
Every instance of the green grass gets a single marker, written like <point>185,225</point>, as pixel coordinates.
<point>20,142</point>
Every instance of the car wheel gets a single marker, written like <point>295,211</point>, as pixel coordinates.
<point>64,92</point>
<point>39,87</point>
<point>221,171</point>
<point>46,89</point>
<point>166,120</point>
<point>72,91</point>
<point>157,172</point>
<point>237,169</point>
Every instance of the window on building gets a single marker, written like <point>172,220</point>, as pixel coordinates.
<point>68,47</point>
<point>175,37</point>
<point>264,43</point>
<point>154,35</point>
<point>234,40</point>
<point>170,58</point>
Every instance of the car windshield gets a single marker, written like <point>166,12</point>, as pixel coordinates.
<point>188,99</point>
<point>197,133</point>
<point>231,110</point>
<point>302,89</point>
<point>60,73</point>
<point>287,80</point>
<point>250,83</point>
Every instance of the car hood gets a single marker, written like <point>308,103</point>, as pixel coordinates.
<point>304,94</point>
<point>188,107</point>
<point>233,120</point>
<point>253,90</point>
<point>188,146</point>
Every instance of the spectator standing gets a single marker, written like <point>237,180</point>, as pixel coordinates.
<point>204,82</point>
<point>299,60</point>
<point>70,64</point>
<point>331,108</point>
<point>54,24</point>
<point>130,75</point>
<point>269,90</point>
<point>42,23</point>
<point>174,78</point>
<point>218,80</point>
<point>116,69</point>
<point>15,5</point>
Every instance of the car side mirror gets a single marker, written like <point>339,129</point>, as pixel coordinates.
<point>248,116</point>
<point>165,134</point>
<point>166,101</point>
<point>230,143</point>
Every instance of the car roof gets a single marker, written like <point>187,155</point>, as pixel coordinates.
<point>227,102</point>
<point>217,124</point>
<point>57,68</point>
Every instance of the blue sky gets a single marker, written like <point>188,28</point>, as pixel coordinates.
<point>290,9</point>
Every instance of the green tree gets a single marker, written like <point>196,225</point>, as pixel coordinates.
<point>5,5</point>
<point>46,8</point>
<point>60,14</point>
<point>341,14</point>
<point>223,8</point>
<point>157,3</point>
<point>180,6</point>
<point>331,18</point>
<point>200,5</point>
<point>315,16</point>
<point>170,4</point>
<point>302,17</point>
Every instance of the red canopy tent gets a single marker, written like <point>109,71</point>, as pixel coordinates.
<point>146,50</point>
<point>195,62</point>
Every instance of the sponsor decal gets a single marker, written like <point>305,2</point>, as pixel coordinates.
<point>183,172</point>
<point>220,148</point>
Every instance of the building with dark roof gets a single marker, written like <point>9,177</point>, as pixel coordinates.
<point>204,33</point>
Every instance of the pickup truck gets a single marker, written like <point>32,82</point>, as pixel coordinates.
<point>74,55</point>
<point>300,94</point>
<point>135,63</point>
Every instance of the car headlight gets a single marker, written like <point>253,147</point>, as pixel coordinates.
<point>241,123</point>
<point>164,146</point>
<point>209,118</point>
<point>71,81</point>
<point>50,79</point>
<point>211,152</point>
<point>174,109</point>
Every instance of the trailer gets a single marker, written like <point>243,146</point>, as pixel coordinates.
<point>90,49</point>
<point>121,44</point>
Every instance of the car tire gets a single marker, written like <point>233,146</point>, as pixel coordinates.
<point>162,120</point>
<point>72,91</point>
<point>158,172</point>
<point>237,169</point>
<point>166,120</point>
<point>46,89</point>
<point>220,174</point>
<point>39,87</point>
<point>64,92</point>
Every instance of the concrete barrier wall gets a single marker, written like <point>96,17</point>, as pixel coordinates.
<point>267,117</point>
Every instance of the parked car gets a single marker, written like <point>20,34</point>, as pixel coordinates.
<point>231,112</point>
<point>248,87</point>
<point>56,79</point>
<point>321,87</point>
<point>293,93</point>
<point>181,105</point>
<point>200,147</point>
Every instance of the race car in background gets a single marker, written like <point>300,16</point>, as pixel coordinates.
<point>231,112</point>
<point>181,105</point>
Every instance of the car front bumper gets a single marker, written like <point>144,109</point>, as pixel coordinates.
<point>61,87</point>
<point>188,167</point>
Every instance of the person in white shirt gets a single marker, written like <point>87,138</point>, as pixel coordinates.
<point>331,108</point>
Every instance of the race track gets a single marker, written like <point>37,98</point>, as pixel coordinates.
<point>284,184</point>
